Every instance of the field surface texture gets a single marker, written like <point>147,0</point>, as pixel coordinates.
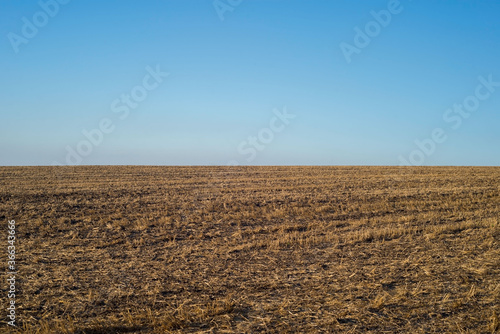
<point>130,249</point>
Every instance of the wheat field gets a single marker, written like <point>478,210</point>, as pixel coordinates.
<point>154,249</point>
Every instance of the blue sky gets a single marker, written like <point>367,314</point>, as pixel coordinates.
<point>229,79</point>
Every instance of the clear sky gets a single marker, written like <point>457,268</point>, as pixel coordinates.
<point>250,82</point>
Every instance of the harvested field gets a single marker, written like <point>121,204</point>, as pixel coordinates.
<point>129,249</point>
